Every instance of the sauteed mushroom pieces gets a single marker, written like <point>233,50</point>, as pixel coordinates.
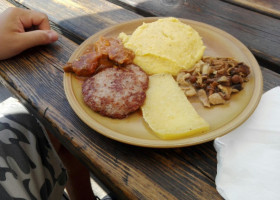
<point>214,80</point>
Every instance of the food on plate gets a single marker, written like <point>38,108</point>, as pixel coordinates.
<point>168,111</point>
<point>85,65</point>
<point>138,70</point>
<point>214,80</point>
<point>116,91</point>
<point>106,52</point>
<point>113,49</point>
<point>116,87</point>
<point>164,46</point>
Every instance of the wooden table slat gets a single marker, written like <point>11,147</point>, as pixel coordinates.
<point>4,5</point>
<point>105,155</point>
<point>37,76</point>
<point>130,172</point>
<point>260,33</point>
<point>83,18</point>
<point>268,7</point>
<point>113,162</point>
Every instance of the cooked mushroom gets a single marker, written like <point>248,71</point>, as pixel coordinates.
<point>205,69</point>
<point>244,70</point>
<point>224,80</point>
<point>193,79</point>
<point>215,77</point>
<point>237,88</point>
<point>216,99</point>
<point>199,80</point>
<point>225,92</point>
<point>203,98</point>
<point>190,91</point>
<point>236,79</point>
<point>182,79</point>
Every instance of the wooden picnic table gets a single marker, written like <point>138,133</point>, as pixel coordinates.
<point>132,172</point>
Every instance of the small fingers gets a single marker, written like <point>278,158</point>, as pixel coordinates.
<point>22,41</point>
<point>37,37</point>
<point>14,23</point>
<point>30,18</point>
<point>41,20</point>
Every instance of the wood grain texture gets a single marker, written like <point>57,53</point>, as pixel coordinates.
<point>270,79</point>
<point>260,33</point>
<point>4,5</point>
<point>268,7</point>
<point>134,172</point>
<point>130,172</point>
<point>36,76</point>
<point>83,18</point>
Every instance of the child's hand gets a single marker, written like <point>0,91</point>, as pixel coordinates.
<point>21,29</point>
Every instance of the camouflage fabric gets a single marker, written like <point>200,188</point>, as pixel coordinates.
<point>29,165</point>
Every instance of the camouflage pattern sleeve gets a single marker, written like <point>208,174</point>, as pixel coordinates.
<point>29,165</point>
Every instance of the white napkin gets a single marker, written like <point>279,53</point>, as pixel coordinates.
<point>249,157</point>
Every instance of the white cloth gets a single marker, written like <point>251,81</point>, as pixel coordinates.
<point>249,157</point>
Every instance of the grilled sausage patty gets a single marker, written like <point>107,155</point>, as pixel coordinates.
<point>117,91</point>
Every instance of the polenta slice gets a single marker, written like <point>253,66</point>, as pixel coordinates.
<point>167,110</point>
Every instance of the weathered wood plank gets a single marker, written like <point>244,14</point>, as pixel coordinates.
<point>268,7</point>
<point>134,172</point>
<point>54,26</point>
<point>213,170</point>
<point>4,5</point>
<point>42,65</point>
<point>270,79</point>
<point>260,33</point>
<point>81,17</point>
<point>129,171</point>
<point>126,169</point>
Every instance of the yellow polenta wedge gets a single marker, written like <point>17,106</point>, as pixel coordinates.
<point>167,110</point>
